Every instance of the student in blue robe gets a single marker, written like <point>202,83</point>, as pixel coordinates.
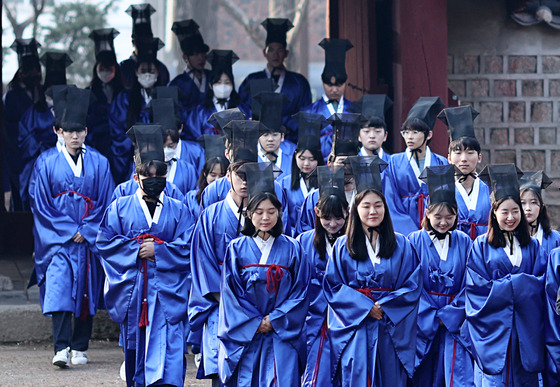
<point>372,285</point>
<point>194,82</point>
<point>130,107</point>
<point>374,133</point>
<point>23,91</point>
<point>334,79</point>
<point>144,245</point>
<point>441,356</point>
<point>406,194</point>
<point>273,133</point>
<point>306,158</point>
<point>106,84</point>
<point>215,167</point>
<point>346,127</point>
<point>220,96</point>
<point>552,320</point>
<point>263,297</point>
<point>72,190</point>
<point>473,195</point>
<point>218,225</point>
<point>130,187</point>
<point>293,85</point>
<point>504,297</point>
<point>218,189</point>
<point>317,249</point>
<point>531,186</point>
<point>141,35</point>
<point>36,124</point>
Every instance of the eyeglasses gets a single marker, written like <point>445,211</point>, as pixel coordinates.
<point>413,132</point>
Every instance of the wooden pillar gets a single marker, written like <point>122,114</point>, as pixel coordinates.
<point>420,61</point>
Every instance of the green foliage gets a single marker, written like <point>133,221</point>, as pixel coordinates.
<point>72,22</point>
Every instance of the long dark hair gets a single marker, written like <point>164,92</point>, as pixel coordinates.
<point>208,167</point>
<point>135,96</point>
<point>234,98</point>
<point>543,219</point>
<point>116,83</point>
<point>296,172</point>
<point>329,206</point>
<point>496,236</point>
<point>249,228</point>
<point>356,242</point>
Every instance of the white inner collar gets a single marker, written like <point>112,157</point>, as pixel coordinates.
<point>201,85</point>
<point>330,248</point>
<point>539,235</point>
<point>172,171</point>
<point>516,257</point>
<point>262,155</point>
<point>75,166</point>
<point>280,79</point>
<point>414,164</point>
<point>144,206</point>
<point>178,149</point>
<point>340,108</point>
<point>264,247</point>
<point>372,254</point>
<point>442,246</point>
<point>363,152</point>
<point>470,199</point>
<point>219,107</point>
<point>234,208</point>
<point>303,187</point>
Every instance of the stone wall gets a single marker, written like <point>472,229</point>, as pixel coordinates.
<point>515,87</point>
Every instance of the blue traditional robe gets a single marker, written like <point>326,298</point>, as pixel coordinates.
<point>192,153</point>
<point>442,359</point>
<point>318,367</point>
<point>192,205</point>
<point>295,200</point>
<point>366,351</point>
<point>183,175</point>
<point>505,315</point>
<point>219,188</point>
<point>474,209</point>
<point>99,130</point>
<point>35,136</point>
<point>36,167</point>
<point>283,162</point>
<point>306,216</point>
<point>548,243</point>
<point>130,186</point>
<point>551,375</point>
<point>407,196</point>
<point>69,200</point>
<point>326,110</point>
<point>380,152</point>
<point>252,288</point>
<point>190,94</point>
<point>292,85</point>
<point>128,72</point>
<point>217,226</point>
<point>164,283</point>
<point>196,123</point>
<point>121,145</point>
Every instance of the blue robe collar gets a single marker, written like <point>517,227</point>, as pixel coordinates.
<point>472,199</point>
<point>414,164</point>
<point>340,108</point>
<point>280,79</point>
<point>146,211</point>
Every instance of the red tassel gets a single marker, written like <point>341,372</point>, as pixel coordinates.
<point>144,315</point>
<point>85,309</point>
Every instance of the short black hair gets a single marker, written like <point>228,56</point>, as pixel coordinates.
<point>249,228</point>
<point>144,168</point>
<point>464,143</point>
<point>339,77</point>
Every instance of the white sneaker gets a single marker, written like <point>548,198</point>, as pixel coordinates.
<point>61,358</point>
<point>197,359</point>
<point>79,357</point>
<point>122,372</point>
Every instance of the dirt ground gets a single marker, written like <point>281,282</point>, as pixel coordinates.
<point>29,364</point>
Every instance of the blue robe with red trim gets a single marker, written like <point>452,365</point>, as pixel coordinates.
<point>216,227</point>
<point>160,345</point>
<point>474,222</point>
<point>295,87</point>
<point>248,294</point>
<point>441,357</point>
<point>318,367</point>
<point>505,315</point>
<point>403,192</point>
<point>189,93</point>
<point>366,351</point>
<point>63,267</point>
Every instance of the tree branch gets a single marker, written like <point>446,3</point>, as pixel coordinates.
<point>300,17</point>
<point>17,27</point>
<point>250,26</point>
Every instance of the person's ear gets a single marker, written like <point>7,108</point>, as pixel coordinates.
<point>317,212</point>
<point>430,134</point>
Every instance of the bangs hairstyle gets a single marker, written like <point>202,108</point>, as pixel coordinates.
<point>339,77</point>
<point>434,209</point>
<point>249,228</point>
<point>356,242</point>
<point>173,134</point>
<point>464,143</point>
<point>208,167</point>
<point>135,97</point>
<point>234,98</point>
<point>318,156</point>
<point>543,219</point>
<point>144,169</point>
<point>107,60</point>
<point>375,122</point>
<point>496,236</point>
<point>331,206</point>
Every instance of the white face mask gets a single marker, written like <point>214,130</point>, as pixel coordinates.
<point>147,80</point>
<point>49,101</point>
<point>222,91</point>
<point>106,76</point>
<point>169,153</point>
<point>60,139</point>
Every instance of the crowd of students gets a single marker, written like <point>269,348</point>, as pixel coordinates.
<point>273,237</point>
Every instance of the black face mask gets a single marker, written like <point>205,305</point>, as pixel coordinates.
<point>153,186</point>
